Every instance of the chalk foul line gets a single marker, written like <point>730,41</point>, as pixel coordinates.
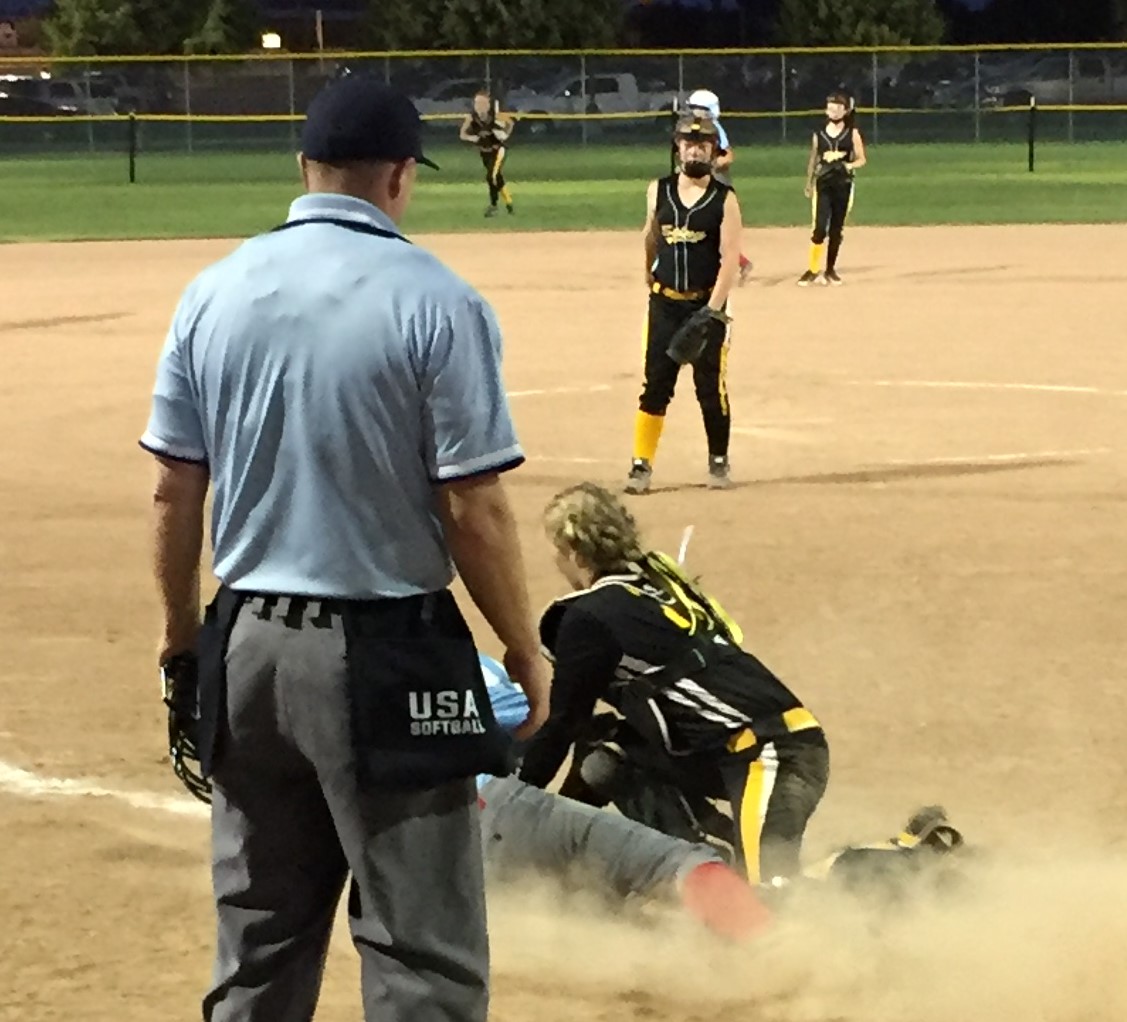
<point>1047,388</point>
<point>22,783</point>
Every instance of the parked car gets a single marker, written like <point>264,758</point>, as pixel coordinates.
<point>26,106</point>
<point>93,97</point>
<point>1088,78</point>
<point>593,93</point>
<point>452,96</point>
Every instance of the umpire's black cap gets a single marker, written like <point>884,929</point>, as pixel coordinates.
<point>358,117</point>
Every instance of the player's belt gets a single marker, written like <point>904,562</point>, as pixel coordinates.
<point>798,719</point>
<point>678,296</point>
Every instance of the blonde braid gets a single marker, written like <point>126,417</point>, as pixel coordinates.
<point>595,524</point>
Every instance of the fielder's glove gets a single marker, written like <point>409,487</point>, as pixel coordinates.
<point>180,690</point>
<point>693,336</point>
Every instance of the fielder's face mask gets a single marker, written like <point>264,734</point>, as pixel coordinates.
<point>696,143</point>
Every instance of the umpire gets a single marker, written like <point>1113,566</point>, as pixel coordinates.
<point>341,391</point>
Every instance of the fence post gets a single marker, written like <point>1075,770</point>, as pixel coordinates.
<point>387,70</point>
<point>783,79</point>
<point>293,104</point>
<point>680,76</point>
<point>876,98</point>
<point>1032,132</point>
<point>132,147</point>
<point>977,90</point>
<point>89,108</point>
<point>488,74</point>
<point>583,94</point>
<point>188,101</point>
<point>1071,90</point>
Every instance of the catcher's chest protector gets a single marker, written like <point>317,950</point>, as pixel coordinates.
<point>688,252</point>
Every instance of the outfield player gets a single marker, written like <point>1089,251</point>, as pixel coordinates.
<point>638,635</point>
<point>837,150</point>
<point>692,251</point>
<point>490,131</point>
<point>705,102</point>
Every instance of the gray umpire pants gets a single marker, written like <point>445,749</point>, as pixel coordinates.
<point>290,825</point>
<point>526,829</point>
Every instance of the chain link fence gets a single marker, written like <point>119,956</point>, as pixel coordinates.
<point>599,98</point>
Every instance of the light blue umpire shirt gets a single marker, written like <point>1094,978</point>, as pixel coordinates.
<point>329,379</point>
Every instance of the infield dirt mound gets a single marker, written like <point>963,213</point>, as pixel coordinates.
<point>1040,938</point>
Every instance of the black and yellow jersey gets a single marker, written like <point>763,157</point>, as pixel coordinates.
<point>484,128</point>
<point>668,660</point>
<point>834,152</point>
<point>688,247</point>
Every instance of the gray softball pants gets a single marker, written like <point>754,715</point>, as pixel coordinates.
<point>529,830</point>
<point>290,826</point>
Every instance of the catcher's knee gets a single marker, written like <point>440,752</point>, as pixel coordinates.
<point>600,770</point>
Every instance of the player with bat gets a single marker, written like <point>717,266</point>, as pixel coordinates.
<point>692,261</point>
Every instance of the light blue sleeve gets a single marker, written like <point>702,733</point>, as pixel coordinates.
<point>469,427</point>
<point>722,135</point>
<point>510,704</point>
<point>175,428</point>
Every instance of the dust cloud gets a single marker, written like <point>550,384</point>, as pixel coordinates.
<point>1020,938</point>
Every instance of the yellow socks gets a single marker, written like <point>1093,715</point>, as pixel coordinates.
<point>647,434</point>
<point>815,258</point>
<point>506,196</point>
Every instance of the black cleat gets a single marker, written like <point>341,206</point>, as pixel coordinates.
<point>808,278</point>
<point>719,477</point>
<point>638,481</point>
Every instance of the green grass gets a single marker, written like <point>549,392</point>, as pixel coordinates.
<point>224,194</point>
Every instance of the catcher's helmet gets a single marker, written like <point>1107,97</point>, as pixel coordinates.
<point>696,127</point>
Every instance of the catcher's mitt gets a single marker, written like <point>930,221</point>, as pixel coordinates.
<point>692,337</point>
<point>180,691</point>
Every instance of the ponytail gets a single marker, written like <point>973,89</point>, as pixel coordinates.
<point>691,608</point>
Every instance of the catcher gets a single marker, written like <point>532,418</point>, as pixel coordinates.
<point>692,252</point>
<point>486,128</point>
<point>836,151</point>
<point>640,636</point>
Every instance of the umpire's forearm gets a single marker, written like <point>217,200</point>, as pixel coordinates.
<point>178,512</point>
<point>481,534</point>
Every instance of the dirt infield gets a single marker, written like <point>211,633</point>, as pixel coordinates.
<point>927,540</point>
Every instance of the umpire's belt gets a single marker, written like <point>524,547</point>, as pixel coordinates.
<point>770,728</point>
<point>678,296</point>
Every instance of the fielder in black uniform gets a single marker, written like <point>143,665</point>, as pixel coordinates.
<point>486,128</point>
<point>692,252</point>
<point>640,636</point>
<point>836,151</point>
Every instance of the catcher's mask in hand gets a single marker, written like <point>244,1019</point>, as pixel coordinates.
<point>180,691</point>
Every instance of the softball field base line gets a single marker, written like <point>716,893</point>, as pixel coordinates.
<point>1047,388</point>
<point>592,388</point>
<point>24,784</point>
